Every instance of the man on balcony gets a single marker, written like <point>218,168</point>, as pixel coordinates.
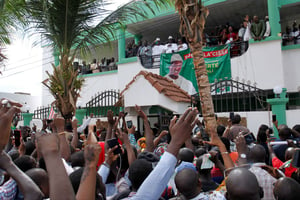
<point>258,28</point>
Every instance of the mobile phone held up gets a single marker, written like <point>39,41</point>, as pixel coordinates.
<point>129,124</point>
<point>112,143</point>
<point>17,135</point>
<point>231,115</point>
<point>274,118</point>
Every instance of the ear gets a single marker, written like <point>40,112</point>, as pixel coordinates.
<point>261,192</point>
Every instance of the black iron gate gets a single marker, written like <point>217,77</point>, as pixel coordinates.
<point>102,102</point>
<point>231,95</point>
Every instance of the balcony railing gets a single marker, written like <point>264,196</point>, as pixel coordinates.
<point>236,49</point>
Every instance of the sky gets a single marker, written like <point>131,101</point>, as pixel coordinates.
<point>23,68</point>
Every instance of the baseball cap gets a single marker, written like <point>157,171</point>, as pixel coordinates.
<point>170,37</point>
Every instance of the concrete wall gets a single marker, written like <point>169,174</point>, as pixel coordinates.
<point>32,101</point>
<point>291,63</point>
<point>262,63</point>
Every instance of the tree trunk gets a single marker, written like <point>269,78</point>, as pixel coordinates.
<point>207,105</point>
<point>192,21</point>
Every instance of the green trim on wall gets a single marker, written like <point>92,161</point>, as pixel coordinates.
<point>127,60</point>
<point>290,47</point>
<point>98,74</point>
<point>211,2</point>
<point>287,2</point>
<point>271,38</point>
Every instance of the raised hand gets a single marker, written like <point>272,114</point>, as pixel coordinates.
<point>110,118</point>
<point>140,112</point>
<point>181,130</point>
<point>47,143</point>
<point>74,124</point>
<point>59,123</point>
<point>8,109</point>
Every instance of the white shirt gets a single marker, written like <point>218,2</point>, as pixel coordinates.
<point>157,50</point>
<point>182,47</point>
<point>184,84</point>
<point>268,29</point>
<point>170,47</point>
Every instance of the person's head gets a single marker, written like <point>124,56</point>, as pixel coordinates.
<point>286,189</point>
<point>230,29</point>
<point>262,134</point>
<point>186,155</point>
<point>138,172</point>
<point>220,130</point>
<point>236,119</point>
<point>145,43</point>
<point>266,18</point>
<point>94,60</point>
<point>257,154</point>
<point>285,133</point>
<point>157,41</point>
<point>245,24</point>
<point>77,159</point>
<point>41,179</point>
<point>175,67</point>
<point>25,163</point>
<point>296,128</point>
<point>242,184</point>
<point>29,147</point>
<point>200,151</point>
<point>288,29</point>
<point>170,39</point>
<point>255,19</point>
<point>179,41</point>
<point>188,183</point>
<point>75,178</point>
<point>14,154</point>
<point>289,152</point>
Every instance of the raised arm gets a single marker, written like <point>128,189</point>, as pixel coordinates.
<point>148,131</point>
<point>216,141</point>
<point>157,180</point>
<point>59,181</point>
<point>87,186</point>
<point>158,138</point>
<point>29,189</point>
<point>8,109</point>
<point>64,147</point>
<point>130,153</point>
<point>74,141</point>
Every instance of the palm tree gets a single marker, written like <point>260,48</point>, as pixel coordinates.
<point>193,16</point>
<point>67,26</point>
<point>11,18</point>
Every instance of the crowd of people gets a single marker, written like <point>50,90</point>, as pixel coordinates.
<point>291,35</point>
<point>110,160</point>
<point>106,64</point>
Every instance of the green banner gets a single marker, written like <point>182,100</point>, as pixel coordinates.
<point>179,66</point>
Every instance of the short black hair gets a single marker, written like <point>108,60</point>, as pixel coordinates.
<point>138,172</point>
<point>186,155</point>
<point>236,119</point>
<point>220,130</point>
<point>30,147</point>
<point>77,159</point>
<point>25,163</point>
<point>75,178</point>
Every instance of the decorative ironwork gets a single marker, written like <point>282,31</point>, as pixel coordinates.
<point>230,95</point>
<point>102,102</point>
<point>42,113</point>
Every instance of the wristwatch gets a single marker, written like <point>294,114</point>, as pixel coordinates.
<point>242,155</point>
